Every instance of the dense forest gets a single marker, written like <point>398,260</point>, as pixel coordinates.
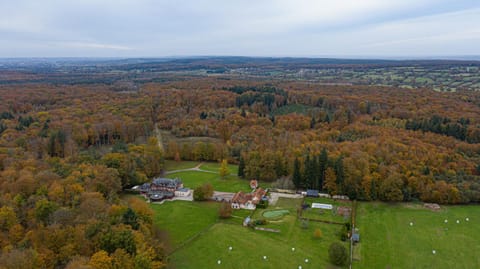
<point>68,151</point>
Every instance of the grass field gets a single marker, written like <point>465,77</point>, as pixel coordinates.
<point>173,165</point>
<point>183,219</point>
<point>249,246</point>
<point>208,166</point>
<point>193,179</point>
<point>388,240</point>
<point>215,167</point>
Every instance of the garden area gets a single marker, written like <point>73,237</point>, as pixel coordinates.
<point>340,213</point>
<point>410,236</point>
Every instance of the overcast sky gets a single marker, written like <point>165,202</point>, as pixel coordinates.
<point>313,28</point>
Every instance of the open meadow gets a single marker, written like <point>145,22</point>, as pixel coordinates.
<point>199,239</point>
<point>249,246</point>
<point>432,240</point>
<point>209,172</point>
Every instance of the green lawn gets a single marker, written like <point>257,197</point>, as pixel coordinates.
<point>215,167</point>
<point>193,179</point>
<point>173,165</point>
<point>182,219</point>
<point>249,246</point>
<point>388,240</point>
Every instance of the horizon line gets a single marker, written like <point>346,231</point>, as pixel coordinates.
<point>472,57</point>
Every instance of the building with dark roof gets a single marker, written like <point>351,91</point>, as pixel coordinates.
<point>159,195</point>
<point>356,237</point>
<point>163,188</point>
<point>166,184</point>
<point>312,193</point>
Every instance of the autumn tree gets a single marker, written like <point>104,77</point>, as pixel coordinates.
<point>118,238</point>
<point>225,211</point>
<point>121,259</point>
<point>391,188</point>
<point>153,158</point>
<point>43,210</point>
<point>330,183</point>
<point>223,171</point>
<point>8,218</point>
<point>101,260</point>
<point>203,192</point>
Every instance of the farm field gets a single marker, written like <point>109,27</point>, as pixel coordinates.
<point>249,246</point>
<point>388,240</point>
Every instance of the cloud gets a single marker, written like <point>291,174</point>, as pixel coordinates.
<point>236,27</point>
<point>449,33</point>
<point>85,45</point>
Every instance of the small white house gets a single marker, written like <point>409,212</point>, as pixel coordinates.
<point>183,192</point>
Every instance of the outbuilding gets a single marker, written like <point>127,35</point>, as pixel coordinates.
<point>312,193</point>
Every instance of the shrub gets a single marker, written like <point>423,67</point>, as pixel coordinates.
<point>225,211</point>
<point>317,233</point>
<point>262,204</point>
<point>261,222</point>
<point>337,253</point>
<point>204,192</point>
<point>344,233</point>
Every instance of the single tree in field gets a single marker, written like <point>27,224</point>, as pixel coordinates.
<point>223,169</point>
<point>225,211</point>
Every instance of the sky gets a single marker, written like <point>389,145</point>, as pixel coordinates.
<point>297,28</point>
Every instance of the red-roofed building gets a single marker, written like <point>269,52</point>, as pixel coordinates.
<point>253,184</point>
<point>243,200</point>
